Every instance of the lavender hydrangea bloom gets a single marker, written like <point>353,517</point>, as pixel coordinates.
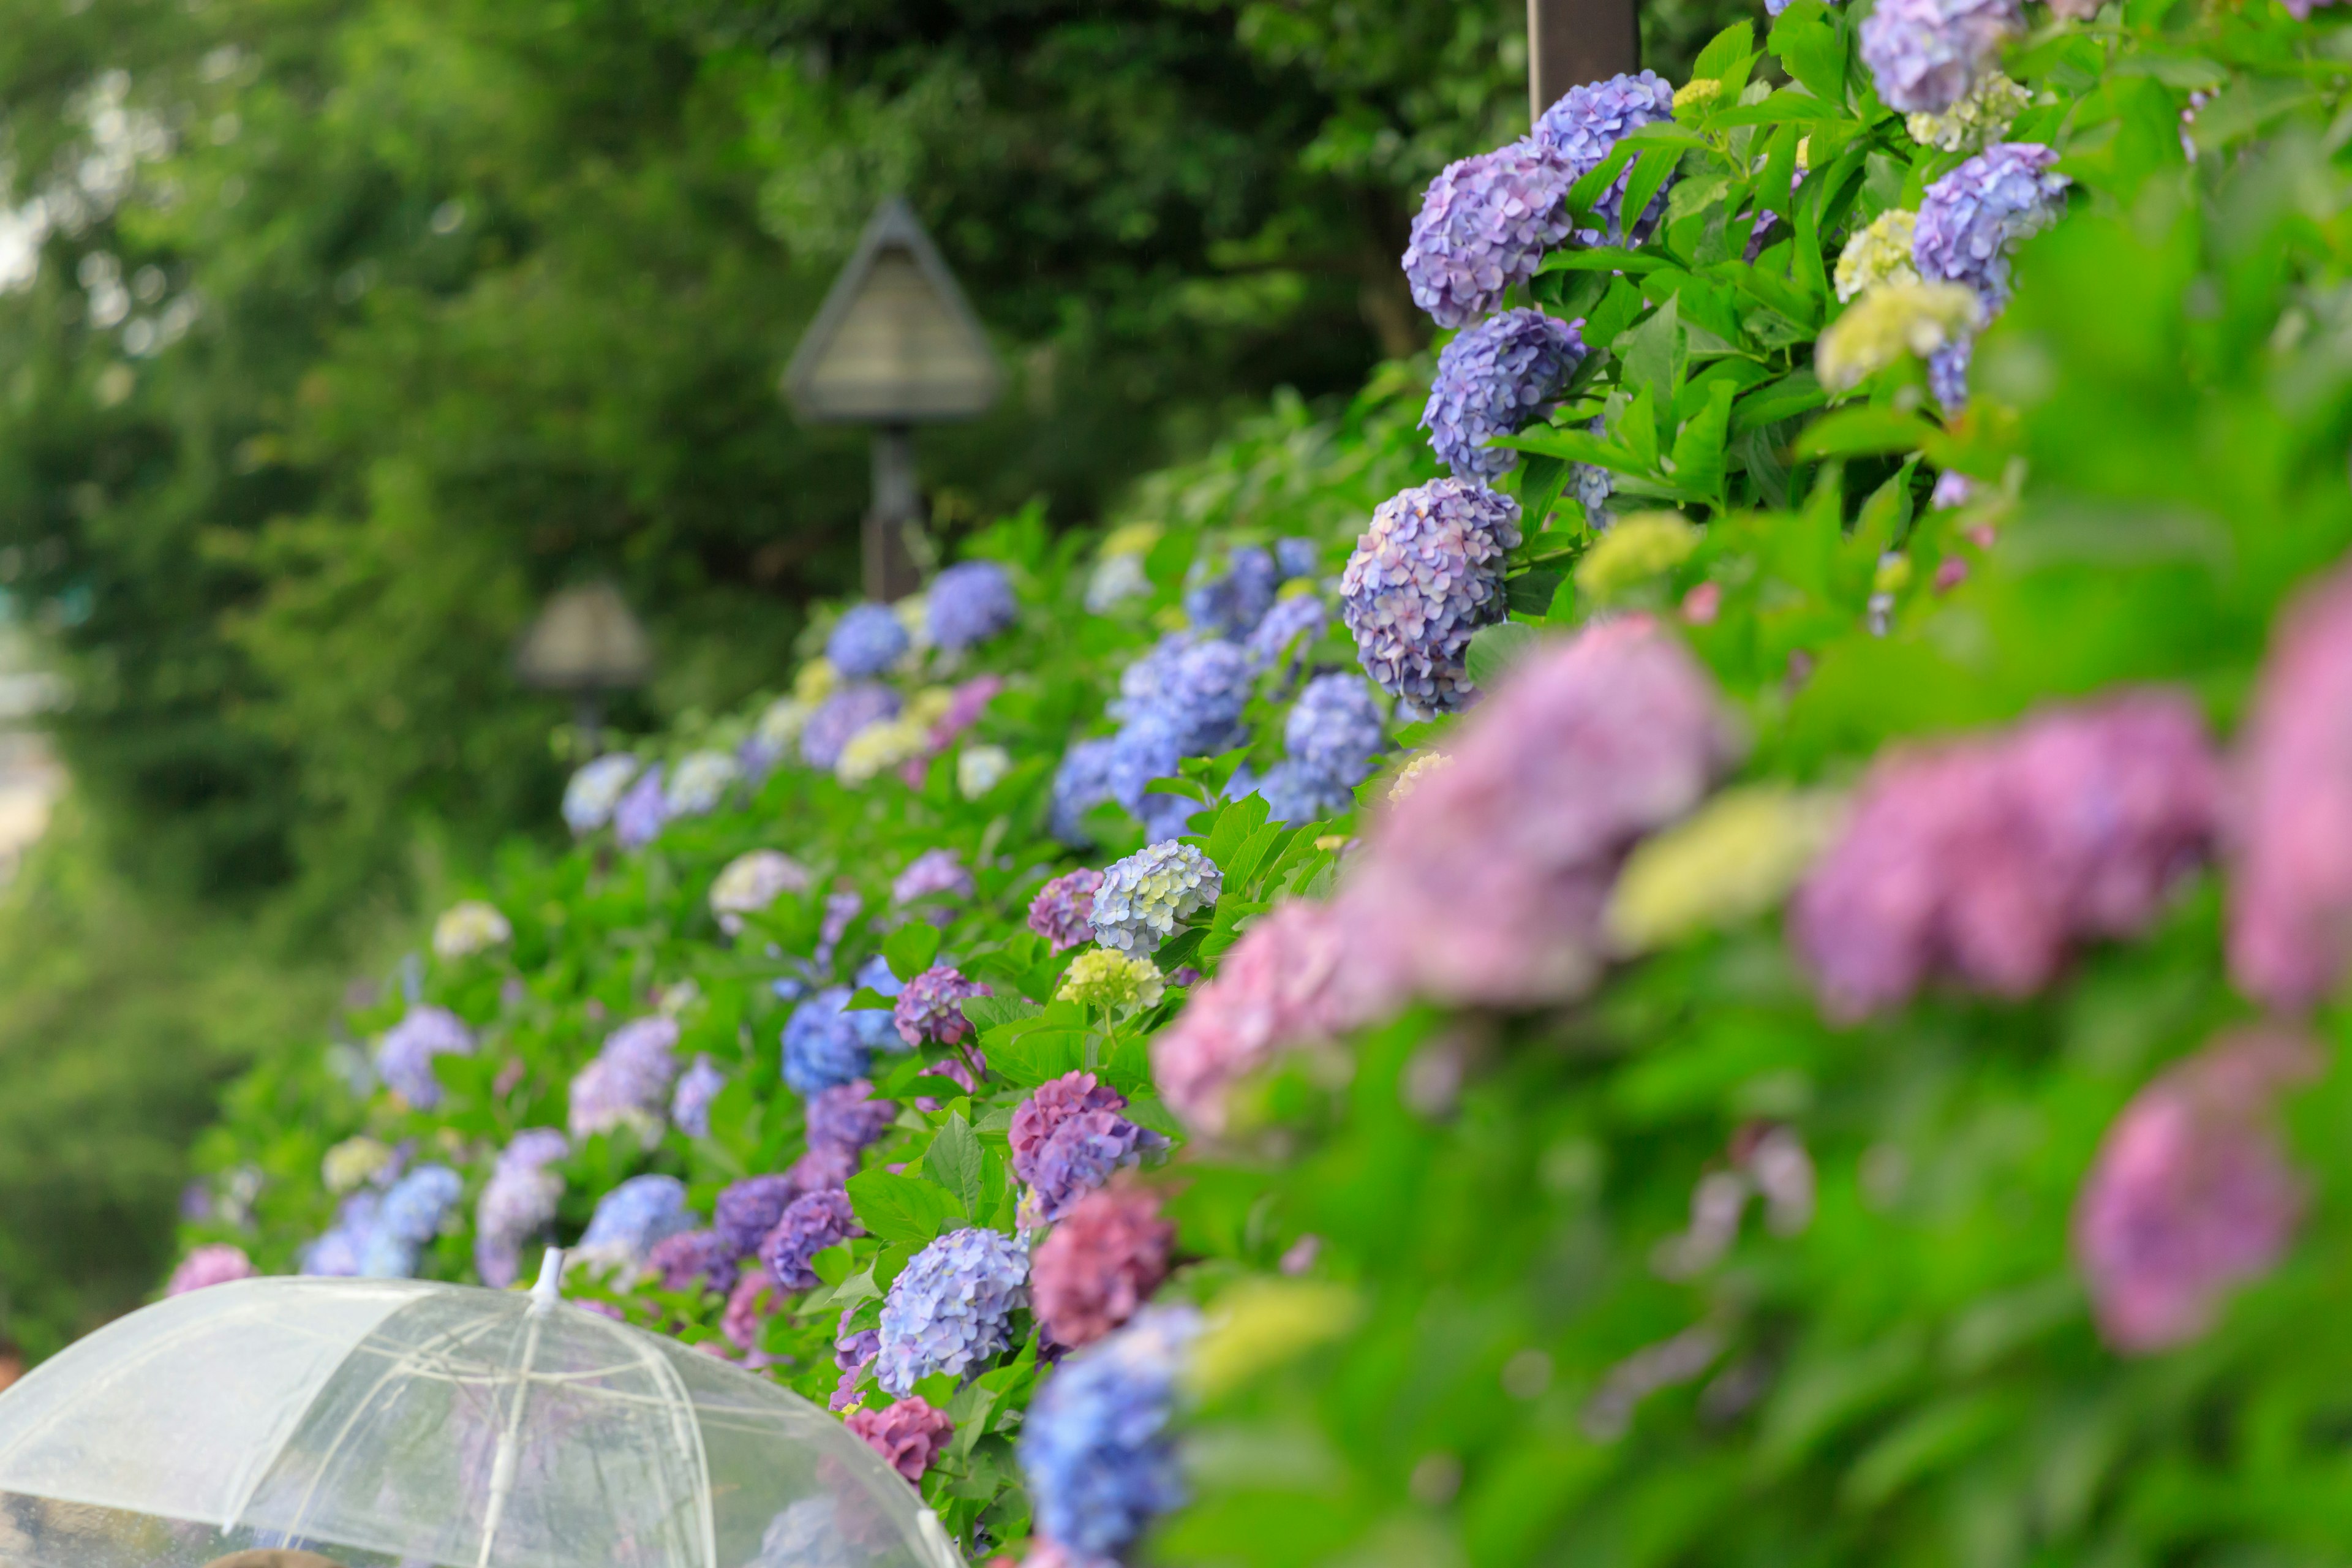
<point>1484,224</point>
<point>692,1260</point>
<point>404,1057</point>
<point>629,1081</point>
<point>1195,688</point>
<point>219,1264</point>
<point>1096,1449</point>
<point>748,1209</point>
<point>1142,896</point>
<point>950,1306</point>
<point>1335,728</point>
<point>1924,55</point>
<point>1295,793</point>
<point>847,1116</point>
<point>1062,912</point>
<point>412,1213</point>
<point>1427,575</point>
<point>1081,782</point>
<point>823,1046</point>
<point>517,1202</point>
<point>701,782</point>
<point>637,820</point>
<point>840,717</point>
<point>337,1254</point>
<point>810,1224</point>
<point>866,641</point>
<point>1495,377</point>
<point>1303,615</point>
<point>969,603</point>
<point>1068,1138</point>
<point>633,1216</point>
<point>931,1009</point>
<point>1587,123</point>
<point>594,791</point>
<point>933,874</point>
<point>1296,557</point>
<point>875,976</point>
<point>1228,604</point>
<point>689,1103</point>
<point>1970,219</point>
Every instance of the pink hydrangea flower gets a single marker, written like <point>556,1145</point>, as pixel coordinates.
<point>1100,1264</point>
<point>2191,1193</point>
<point>908,1434</point>
<point>750,1305</point>
<point>1063,912</point>
<point>214,1265</point>
<point>930,1007</point>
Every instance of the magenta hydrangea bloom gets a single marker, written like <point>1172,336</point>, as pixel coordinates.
<point>908,1434</point>
<point>1098,1266</point>
<point>2290,873</point>
<point>930,1010</point>
<point>1487,883</point>
<point>1484,224</point>
<point>1068,1136</point>
<point>1426,575</point>
<point>2191,1193</point>
<point>1062,912</point>
<point>848,1117</point>
<point>404,1057</point>
<point>1505,372</point>
<point>217,1264</point>
<point>1984,861</point>
<point>1924,55</point>
<point>811,1222</point>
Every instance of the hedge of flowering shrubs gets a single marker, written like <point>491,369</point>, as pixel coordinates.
<point>1746,973</point>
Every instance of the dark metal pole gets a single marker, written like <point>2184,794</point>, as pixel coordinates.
<point>1570,42</point>
<point>897,506</point>
<point>588,713</point>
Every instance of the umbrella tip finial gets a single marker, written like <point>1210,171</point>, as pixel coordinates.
<point>549,1288</point>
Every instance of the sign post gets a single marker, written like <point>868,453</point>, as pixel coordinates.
<point>894,345</point>
<point>1571,42</point>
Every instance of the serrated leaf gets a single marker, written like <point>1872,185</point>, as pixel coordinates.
<point>1234,824</point>
<point>910,949</point>
<point>1036,1055</point>
<point>1494,649</point>
<point>953,1160</point>
<point>902,1209</point>
<point>1734,44</point>
<point>1698,448</point>
<point>995,1012</point>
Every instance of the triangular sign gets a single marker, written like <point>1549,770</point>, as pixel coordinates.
<point>895,342</point>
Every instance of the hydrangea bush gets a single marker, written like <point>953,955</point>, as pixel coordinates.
<point>1804,1032</point>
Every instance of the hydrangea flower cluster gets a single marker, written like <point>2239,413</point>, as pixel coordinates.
<point>840,717</point>
<point>951,1307</point>
<point>1100,977</point>
<point>826,1044</point>
<point>631,1219</point>
<point>811,1222</point>
<point>1495,378</point>
<point>592,792</point>
<point>1584,127</point>
<point>929,1009</point>
<point>517,1202</point>
<point>1096,1448</point>
<point>1062,912</point>
<point>1981,118</point>
<point>933,874</point>
<point>746,1211</point>
<point>1986,861</point>
<point>866,641</point>
<point>1300,617</point>
<point>1879,252</point>
<point>908,1434</point>
<point>1427,575</point>
<point>412,1215</point>
<point>1891,320</point>
<point>354,1161</point>
<point>1970,219</point>
<point>1100,1264</point>
<point>628,1082</point>
<point>217,1264</point>
<point>468,928</point>
<point>1924,55</point>
<point>1484,224</point>
<point>1143,897</point>
<point>404,1057</point>
<point>2191,1193</point>
<point>1231,602</point>
<point>1068,1136</point>
<point>642,812</point>
<point>968,604</point>
<point>750,1305</point>
<point>752,881</point>
<point>701,782</point>
<point>692,1260</point>
<point>847,1116</point>
<point>689,1103</point>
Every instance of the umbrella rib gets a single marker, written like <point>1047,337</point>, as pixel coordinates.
<point>689,1436</point>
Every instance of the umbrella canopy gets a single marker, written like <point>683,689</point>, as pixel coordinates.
<point>432,1424</point>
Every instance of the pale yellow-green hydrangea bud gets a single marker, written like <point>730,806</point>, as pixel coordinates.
<point>1636,549</point>
<point>780,726</point>
<point>1880,253</point>
<point>1736,858</point>
<point>1100,977</point>
<point>1697,94</point>
<point>1804,154</point>
<point>880,746</point>
<point>1420,766</point>
<point>816,681</point>
<point>1890,322</point>
<point>930,705</point>
<point>352,1162</point>
<point>980,769</point>
<point>1978,120</point>
<point>468,928</point>
<point>914,613</point>
<point>1892,573</point>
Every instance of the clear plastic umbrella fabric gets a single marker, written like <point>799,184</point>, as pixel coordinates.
<point>400,1422</point>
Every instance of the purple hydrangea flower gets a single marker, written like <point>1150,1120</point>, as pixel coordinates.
<point>404,1057</point>
<point>1493,379</point>
<point>930,1008</point>
<point>1427,575</point>
<point>1335,728</point>
<point>692,1260</point>
<point>1971,218</point>
<point>1193,689</point>
<point>1587,123</point>
<point>1095,1448</point>
<point>840,909</point>
<point>412,1213</point>
<point>1063,911</point>
<point>1484,224</point>
<point>748,1209</point>
<point>219,1264</point>
<point>1068,1136</point>
<point>933,874</point>
<point>1300,617</point>
<point>908,1435</point>
<point>517,1202</point>
<point>633,1216</point>
<point>1081,782</point>
<point>951,1307</point>
<point>968,604</point>
<point>1142,896</point>
<point>866,641</point>
<point>629,1080</point>
<point>841,716</point>
<point>690,1104</point>
<point>853,1351</point>
<point>810,1224</point>
<point>1228,604</point>
<point>823,1044</point>
<point>848,1117</point>
<point>593,793</point>
<point>642,812</point>
<point>339,1253</point>
<point>1296,557</point>
<point>1924,55</point>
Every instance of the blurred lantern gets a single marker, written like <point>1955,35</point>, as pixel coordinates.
<point>894,346</point>
<point>586,643</point>
<point>1571,42</point>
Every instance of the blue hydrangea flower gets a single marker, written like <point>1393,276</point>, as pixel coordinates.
<point>1427,575</point>
<point>823,1042</point>
<point>810,1224</point>
<point>950,1308</point>
<point>1078,1156</point>
<point>1948,373</point>
<point>1206,688</point>
<point>1924,55</point>
<point>841,716</point>
<point>1296,557</point>
<point>1227,603</point>
<point>1587,122</point>
<point>1484,224</point>
<point>1144,896</point>
<point>1594,485</point>
<point>637,820</point>
<point>1295,793</point>
<point>1971,218</point>
<point>593,793</point>
<point>1298,619</point>
<point>1335,728</point>
<point>699,783</point>
<point>866,641</point>
<point>748,1210</point>
<point>969,603</point>
<point>412,1213</point>
<point>1081,782</point>
<point>1096,1448</point>
<point>1492,380</point>
<point>633,1216</point>
<point>404,1057</point>
<point>689,1103</point>
<point>875,976</point>
<point>338,1254</point>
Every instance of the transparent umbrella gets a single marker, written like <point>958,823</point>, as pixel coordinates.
<point>397,1421</point>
